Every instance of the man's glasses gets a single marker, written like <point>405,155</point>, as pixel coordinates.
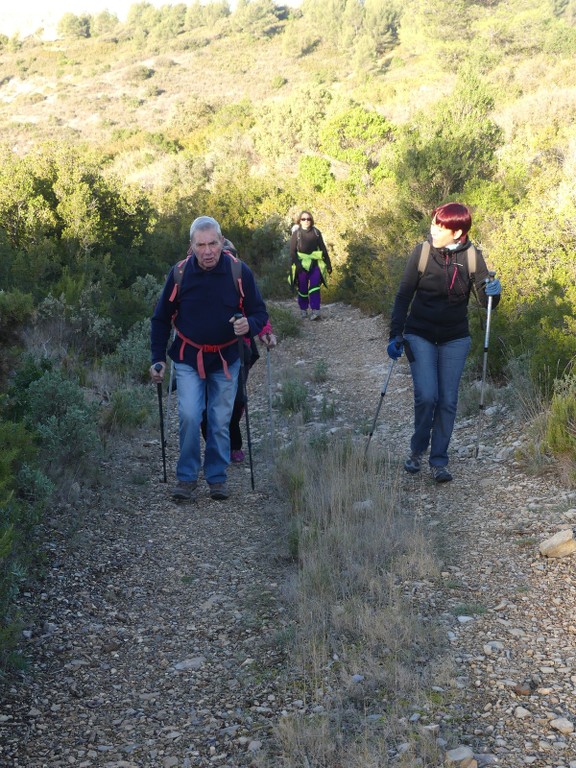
<point>305,218</point>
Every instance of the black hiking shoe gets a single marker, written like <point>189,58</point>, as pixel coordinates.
<point>413,463</point>
<point>183,490</point>
<point>219,492</point>
<point>440,474</point>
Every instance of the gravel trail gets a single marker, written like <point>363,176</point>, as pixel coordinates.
<point>159,635</point>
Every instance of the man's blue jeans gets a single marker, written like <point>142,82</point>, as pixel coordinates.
<point>216,393</point>
<point>436,373</point>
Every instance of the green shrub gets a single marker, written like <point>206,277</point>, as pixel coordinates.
<point>17,448</point>
<point>561,422</point>
<point>15,310</point>
<point>293,399</point>
<point>30,369</point>
<point>129,408</point>
<point>131,358</point>
<point>320,372</point>
<point>139,73</point>
<point>65,424</point>
<point>284,322</point>
<point>34,486</point>
<point>24,491</point>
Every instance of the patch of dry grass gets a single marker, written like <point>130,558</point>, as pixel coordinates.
<point>365,651</point>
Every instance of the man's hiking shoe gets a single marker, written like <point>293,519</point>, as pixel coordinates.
<point>315,316</point>
<point>441,474</point>
<point>183,490</point>
<point>413,463</point>
<point>218,491</point>
<point>237,457</point>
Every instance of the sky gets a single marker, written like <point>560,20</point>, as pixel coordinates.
<point>27,16</point>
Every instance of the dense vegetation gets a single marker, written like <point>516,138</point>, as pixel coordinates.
<point>369,113</point>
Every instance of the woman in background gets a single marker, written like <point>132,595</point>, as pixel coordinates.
<point>310,263</point>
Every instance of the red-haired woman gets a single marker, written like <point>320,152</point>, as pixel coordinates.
<point>311,261</point>
<point>430,318</point>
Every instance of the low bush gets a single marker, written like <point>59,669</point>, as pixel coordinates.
<point>24,493</point>
<point>131,358</point>
<point>65,425</point>
<point>129,408</point>
<point>284,322</point>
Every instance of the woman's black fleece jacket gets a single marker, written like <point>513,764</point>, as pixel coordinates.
<point>434,305</point>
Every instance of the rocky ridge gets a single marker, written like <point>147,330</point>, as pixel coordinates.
<point>158,634</point>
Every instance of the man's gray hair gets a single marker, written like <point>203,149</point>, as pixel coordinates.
<point>204,222</point>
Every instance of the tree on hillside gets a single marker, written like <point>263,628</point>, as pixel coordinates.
<point>381,24</point>
<point>370,24</point>
<point>73,26</point>
<point>259,18</point>
<point>444,147</point>
<point>103,23</point>
<point>565,9</point>
<point>141,20</point>
<point>356,136</point>
<point>171,22</point>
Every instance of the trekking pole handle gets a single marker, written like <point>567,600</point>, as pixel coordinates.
<point>158,367</point>
<point>491,276</point>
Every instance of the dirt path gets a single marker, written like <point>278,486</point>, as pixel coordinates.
<point>162,632</point>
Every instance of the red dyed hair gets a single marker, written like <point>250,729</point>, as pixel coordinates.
<point>453,216</point>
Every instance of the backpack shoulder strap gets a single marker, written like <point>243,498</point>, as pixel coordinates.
<point>423,260</point>
<point>471,261</point>
<point>178,277</point>
<point>236,270</point>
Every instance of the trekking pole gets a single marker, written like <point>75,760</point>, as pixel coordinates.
<point>158,367</point>
<point>171,388</point>
<point>489,279</point>
<point>241,346</point>
<point>382,394</point>
<point>269,377</point>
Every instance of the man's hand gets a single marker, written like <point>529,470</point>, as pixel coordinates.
<point>157,372</point>
<point>241,325</point>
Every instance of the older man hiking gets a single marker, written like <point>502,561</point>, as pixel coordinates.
<point>203,298</point>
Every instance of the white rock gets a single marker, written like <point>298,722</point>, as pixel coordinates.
<point>561,544</point>
<point>521,713</point>
<point>195,663</point>
<point>563,725</point>
<point>458,755</point>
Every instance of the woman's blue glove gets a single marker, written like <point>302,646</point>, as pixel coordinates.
<point>493,288</point>
<point>395,348</point>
